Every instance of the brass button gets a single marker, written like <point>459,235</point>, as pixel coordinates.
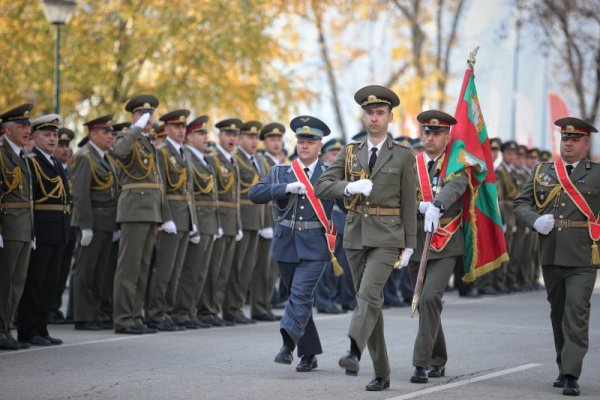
<point>563,204</point>
<point>141,192</point>
<point>302,207</point>
<point>559,229</point>
<point>367,203</point>
<point>300,218</point>
<point>366,215</point>
<point>560,216</point>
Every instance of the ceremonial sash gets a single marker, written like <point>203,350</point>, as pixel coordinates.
<point>442,235</point>
<point>582,205</point>
<point>330,231</point>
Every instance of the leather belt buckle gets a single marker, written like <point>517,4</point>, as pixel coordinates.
<point>561,224</point>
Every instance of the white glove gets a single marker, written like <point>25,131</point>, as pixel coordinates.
<point>361,186</point>
<point>218,235</point>
<point>423,205</point>
<point>195,239</point>
<point>432,218</point>
<point>239,236</point>
<point>295,188</point>
<point>169,227</point>
<point>266,233</point>
<point>544,224</point>
<point>33,244</point>
<point>404,258</point>
<point>1,242</point>
<point>116,235</point>
<point>194,230</point>
<point>142,121</point>
<point>86,237</point>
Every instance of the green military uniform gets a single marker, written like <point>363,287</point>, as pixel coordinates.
<point>139,211</point>
<point>16,223</point>
<point>195,266</point>
<point>569,255</point>
<point>95,193</point>
<point>430,343</point>
<point>179,210</point>
<point>251,169</point>
<point>377,226</point>
<point>221,261</point>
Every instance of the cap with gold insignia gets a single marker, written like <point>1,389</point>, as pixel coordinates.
<point>120,127</point>
<point>200,124</point>
<point>521,150</point>
<point>176,117</point>
<point>103,122</point>
<point>50,122</point>
<point>508,145</point>
<point>332,144</point>
<point>545,155</point>
<point>308,127</point>
<point>272,129</point>
<point>143,103</point>
<point>160,130</point>
<point>19,115</point>
<point>375,95</point>
<point>405,140</point>
<point>359,136</point>
<point>571,127</point>
<point>65,135</point>
<point>229,125</point>
<point>495,143</point>
<point>250,128</point>
<point>533,153</point>
<point>435,121</point>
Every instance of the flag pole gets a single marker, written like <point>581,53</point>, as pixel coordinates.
<point>471,60</point>
<point>421,274</point>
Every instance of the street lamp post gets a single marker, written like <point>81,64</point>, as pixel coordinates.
<point>57,12</point>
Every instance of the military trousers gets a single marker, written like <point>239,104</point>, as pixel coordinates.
<point>327,290</point>
<point>164,278</point>
<point>219,268</point>
<point>107,291</point>
<point>569,292</point>
<point>65,270</point>
<point>192,279</point>
<point>263,282</point>
<point>346,292</point>
<point>14,257</point>
<point>131,277</point>
<point>89,275</point>
<point>371,267</point>
<point>430,344</point>
<point>301,280</point>
<point>242,271</point>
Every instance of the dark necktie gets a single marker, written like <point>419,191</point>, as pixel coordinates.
<point>252,161</point>
<point>57,167</point>
<point>306,171</point>
<point>181,152</point>
<point>373,158</point>
<point>569,169</point>
<point>22,154</point>
<point>429,165</point>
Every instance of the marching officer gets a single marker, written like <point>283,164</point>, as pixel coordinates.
<point>561,202</point>
<point>230,229</point>
<point>95,194</point>
<point>139,211</point>
<point>375,177</point>
<point>195,266</point>
<point>16,217</point>
<point>299,246</point>
<point>179,215</point>
<point>436,197</point>
<point>51,213</point>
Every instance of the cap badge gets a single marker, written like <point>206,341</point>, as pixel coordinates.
<point>569,129</point>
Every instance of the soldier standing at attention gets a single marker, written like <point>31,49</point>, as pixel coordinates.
<point>16,218</point>
<point>561,201</point>
<point>376,178</point>
<point>95,194</point>
<point>179,215</point>
<point>435,197</point>
<point>299,245</point>
<point>139,213</point>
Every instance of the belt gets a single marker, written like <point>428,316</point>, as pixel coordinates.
<point>129,186</point>
<point>104,204</point>
<point>52,207</point>
<point>16,204</point>
<point>177,197</point>
<point>376,211</point>
<point>301,224</point>
<point>228,204</point>
<point>247,203</point>
<point>205,203</point>
<point>565,224</point>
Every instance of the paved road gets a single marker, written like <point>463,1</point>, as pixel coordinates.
<point>499,348</point>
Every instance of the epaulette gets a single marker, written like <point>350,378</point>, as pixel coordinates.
<point>400,144</point>
<point>354,142</point>
<point>161,146</point>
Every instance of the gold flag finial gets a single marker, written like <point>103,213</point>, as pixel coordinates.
<point>471,60</point>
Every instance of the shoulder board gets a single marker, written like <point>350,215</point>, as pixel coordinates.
<point>161,146</point>
<point>397,143</point>
<point>354,142</point>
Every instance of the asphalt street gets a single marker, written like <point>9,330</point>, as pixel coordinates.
<point>499,348</point>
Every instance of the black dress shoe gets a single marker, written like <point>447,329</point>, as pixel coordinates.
<point>87,326</point>
<point>224,321</point>
<point>559,381</point>
<point>275,317</point>
<point>264,318</point>
<point>571,386</point>
<point>165,325</point>
<point>248,320</point>
<point>329,310</point>
<point>202,324</point>
<point>37,341</point>
<point>236,319</point>
<point>348,307</point>
<point>106,325</point>
<point>378,384</point>
<point>419,376</point>
<point>56,318</point>
<point>350,363</point>
<point>488,291</point>
<point>23,345</point>
<point>53,341</point>
<point>188,325</point>
<point>131,330</point>
<point>436,372</point>
<point>7,344</point>
<point>284,356</point>
<point>307,364</point>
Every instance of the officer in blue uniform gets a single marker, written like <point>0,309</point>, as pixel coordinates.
<point>299,245</point>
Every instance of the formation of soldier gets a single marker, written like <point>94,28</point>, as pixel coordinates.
<point>170,233</point>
